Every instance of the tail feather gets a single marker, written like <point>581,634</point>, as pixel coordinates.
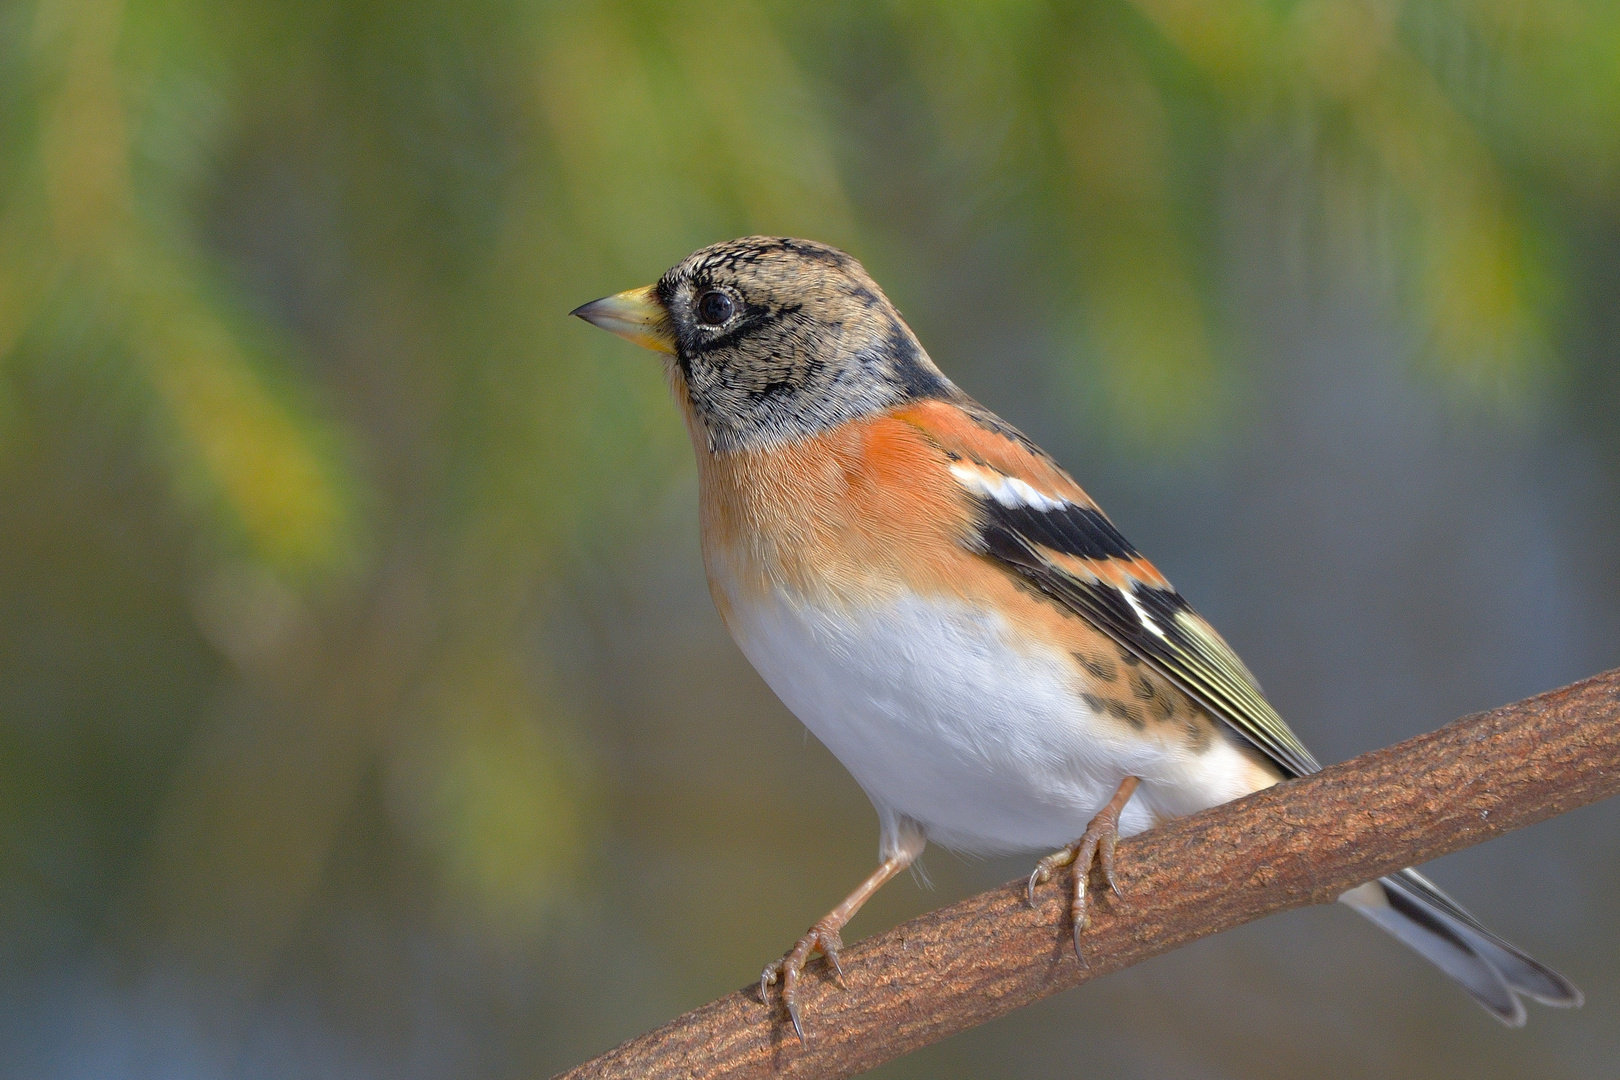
<point>1415,912</point>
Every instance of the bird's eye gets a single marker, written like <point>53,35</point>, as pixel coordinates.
<point>714,307</point>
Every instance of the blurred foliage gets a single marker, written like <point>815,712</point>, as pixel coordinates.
<point>301,458</point>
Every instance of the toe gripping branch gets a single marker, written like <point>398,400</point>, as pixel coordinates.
<point>822,936</point>
<point>1095,847</point>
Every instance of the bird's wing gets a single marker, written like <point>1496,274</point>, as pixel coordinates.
<point>1035,521</point>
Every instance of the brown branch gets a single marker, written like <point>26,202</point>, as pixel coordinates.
<point>1302,842</point>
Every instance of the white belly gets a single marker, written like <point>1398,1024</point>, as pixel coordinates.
<point>988,746</point>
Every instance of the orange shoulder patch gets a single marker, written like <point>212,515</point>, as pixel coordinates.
<point>998,463</point>
<point>974,434</point>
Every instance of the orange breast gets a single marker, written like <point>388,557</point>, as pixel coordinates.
<point>847,516</point>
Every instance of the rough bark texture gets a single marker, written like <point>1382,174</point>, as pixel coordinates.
<point>1302,842</point>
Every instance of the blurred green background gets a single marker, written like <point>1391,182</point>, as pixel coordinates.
<point>362,709</point>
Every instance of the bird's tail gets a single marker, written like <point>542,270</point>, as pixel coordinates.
<point>1495,973</point>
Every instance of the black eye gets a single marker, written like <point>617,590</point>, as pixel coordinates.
<point>714,307</point>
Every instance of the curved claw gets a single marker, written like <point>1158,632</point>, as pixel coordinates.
<point>1078,914</point>
<point>788,970</point>
<point>1043,869</point>
<point>1106,857</point>
<point>824,935</point>
<point>829,949</point>
<point>1096,845</point>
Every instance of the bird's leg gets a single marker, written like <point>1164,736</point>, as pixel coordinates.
<point>1096,844</point>
<point>824,936</point>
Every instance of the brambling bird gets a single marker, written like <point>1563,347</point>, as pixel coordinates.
<point>936,599</point>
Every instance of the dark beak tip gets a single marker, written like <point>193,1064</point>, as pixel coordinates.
<point>584,310</point>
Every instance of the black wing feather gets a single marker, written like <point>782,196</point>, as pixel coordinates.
<point>1172,638</point>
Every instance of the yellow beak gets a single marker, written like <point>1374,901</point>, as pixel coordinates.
<point>636,315</point>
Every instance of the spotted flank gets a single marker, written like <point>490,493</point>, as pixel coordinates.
<point>1070,551</point>
<point>1158,626</point>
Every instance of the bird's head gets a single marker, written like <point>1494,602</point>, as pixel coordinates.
<point>771,339</point>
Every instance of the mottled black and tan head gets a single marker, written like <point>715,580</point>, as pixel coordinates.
<point>772,339</point>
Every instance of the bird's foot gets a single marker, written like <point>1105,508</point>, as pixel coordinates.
<point>822,937</point>
<point>1095,847</point>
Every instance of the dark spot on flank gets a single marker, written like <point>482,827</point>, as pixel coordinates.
<point>1093,702</point>
<point>1030,589</point>
<point>1121,711</point>
<point>1198,737</point>
<point>1142,687</point>
<point>1130,658</point>
<point>951,455</point>
<point>1097,668</point>
<point>1163,707</point>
